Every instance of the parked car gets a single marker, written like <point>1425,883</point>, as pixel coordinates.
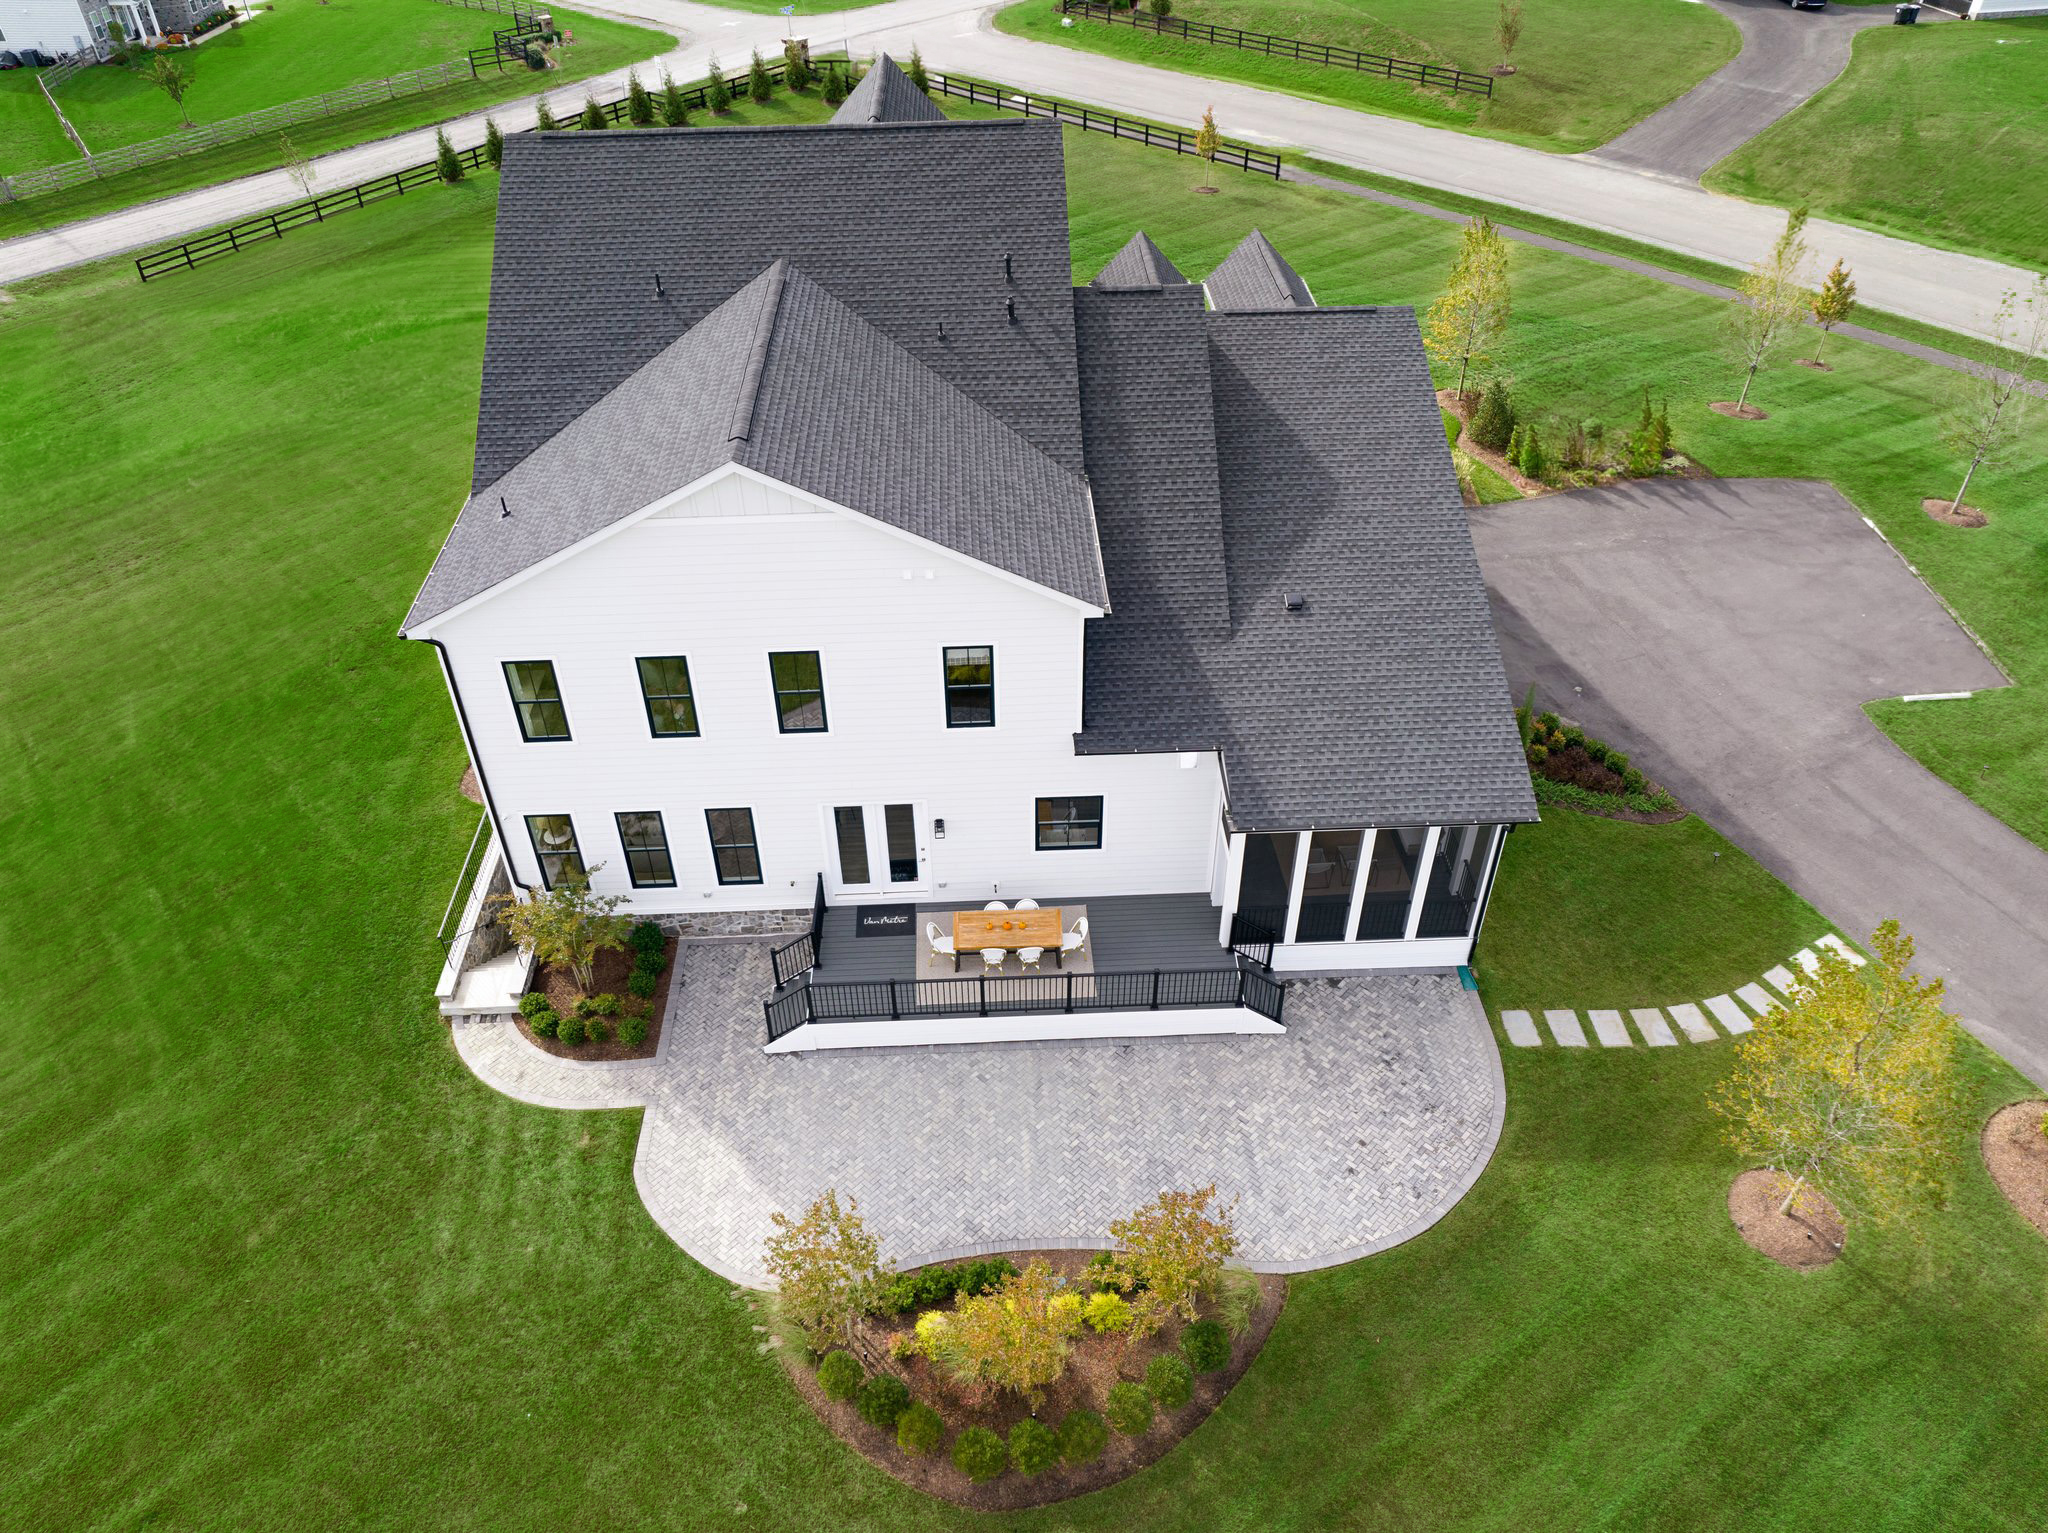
<point>9,59</point>
<point>1808,5</point>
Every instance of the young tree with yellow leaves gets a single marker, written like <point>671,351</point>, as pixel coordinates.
<point>827,1268</point>
<point>1466,324</point>
<point>1014,1336</point>
<point>1853,1089</point>
<point>1169,1256</point>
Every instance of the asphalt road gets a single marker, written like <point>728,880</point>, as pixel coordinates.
<point>1786,57</point>
<point>1955,292</point>
<point>1726,634</point>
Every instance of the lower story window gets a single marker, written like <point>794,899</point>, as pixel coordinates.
<point>732,845</point>
<point>554,843</point>
<point>646,843</point>
<point>1067,824</point>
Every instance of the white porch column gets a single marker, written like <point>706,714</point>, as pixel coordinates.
<point>1358,883</point>
<point>1233,884</point>
<point>1421,892</point>
<point>1294,887</point>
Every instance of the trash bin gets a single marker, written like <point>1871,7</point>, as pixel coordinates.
<point>1905,15</point>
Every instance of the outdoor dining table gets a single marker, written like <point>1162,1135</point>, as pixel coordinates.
<point>1007,929</point>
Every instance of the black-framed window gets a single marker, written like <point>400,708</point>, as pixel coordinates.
<point>799,691</point>
<point>537,699</point>
<point>1069,824</point>
<point>554,843</point>
<point>665,685</point>
<point>732,845</point>
<point>970,686</point>
<point>645,840</point>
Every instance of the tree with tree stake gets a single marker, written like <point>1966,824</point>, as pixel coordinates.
<point>1207,142</point>
<point>1833,304</point>
<point>1507,31</point>
<point>827,1269</point>
<point>173,79</point>
<point>1469,320</point>
<point>1853,1090</point>
<point>1986,421</point>
<point>567,925</point>
<point>1773,302</point>
<point>297,166</point>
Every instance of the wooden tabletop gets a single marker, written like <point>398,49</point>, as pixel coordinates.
<point>977,929</point>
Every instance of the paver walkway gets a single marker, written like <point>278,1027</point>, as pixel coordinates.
<point>1358,1130</point>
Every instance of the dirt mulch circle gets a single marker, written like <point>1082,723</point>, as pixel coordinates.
<point>611,971</point>
<point>1808,362</point>
<point>1729,408</point>
<point>1095,1364</point>
<point>1945,510</point>
<point>470,788</point>
<point>1799,1240</point>
<point>2016,1154</point>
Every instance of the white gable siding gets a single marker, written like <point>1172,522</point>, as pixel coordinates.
<point>739,570</point>
<point>55,26</point>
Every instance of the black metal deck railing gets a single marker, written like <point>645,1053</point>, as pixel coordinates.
<point>795,959</point>
<point>1021,994</point>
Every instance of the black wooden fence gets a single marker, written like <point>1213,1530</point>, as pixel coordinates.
<point>1436,76</point>
<point>1090,119</point>
<point>1024,994</point>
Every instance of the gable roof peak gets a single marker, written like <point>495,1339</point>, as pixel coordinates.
<point>1253,276</point>
<point>1139,264</point>
<point>886,94</point>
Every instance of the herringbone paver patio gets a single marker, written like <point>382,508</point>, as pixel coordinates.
<point>1357,1130</point>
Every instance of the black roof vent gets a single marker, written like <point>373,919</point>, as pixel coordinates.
<point>1296,600</point>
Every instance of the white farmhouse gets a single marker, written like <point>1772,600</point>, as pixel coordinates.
<point>825,542</point>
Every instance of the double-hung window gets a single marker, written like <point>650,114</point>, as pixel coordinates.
<point>537,700</point>
<point>646,843</point>
<point>1069,824</point>
<point>732,845</point>
<point>665,687</point>
<point>799,691</point>
<point>970,687</point>
<point>554,844</point>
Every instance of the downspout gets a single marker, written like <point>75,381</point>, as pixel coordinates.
<point>476,761</point>
<point>1500,850</point>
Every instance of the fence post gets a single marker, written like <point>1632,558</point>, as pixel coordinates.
<point>895,1006</point>
<point>1155,991</point>
<point>1070,991</point>
<point>981,989</point>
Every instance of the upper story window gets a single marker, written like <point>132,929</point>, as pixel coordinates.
<point>1066,824</point>
<point>799,691</point>
<point>665,684</point>
<point>537,699</point>
<point>554,843</point>
<point>970,687</point>
<point>646,844</point>
<point>732,845</point>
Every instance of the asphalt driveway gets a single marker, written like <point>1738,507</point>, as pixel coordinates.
<point>1726,633</point>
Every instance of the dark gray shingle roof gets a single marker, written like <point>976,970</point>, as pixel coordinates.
<point>885,94</point>
<point>1254,277</point>
<point>785,379</point>
<point>909,224</point>
<point>1139,264</point>
<point>1383,701</point>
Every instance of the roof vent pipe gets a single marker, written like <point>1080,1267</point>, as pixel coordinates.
<point>1010,308</point>
<point>1008,275</point>
<point>1296,600</point>
<point>942,329</point>
<point>503,509</point>
<point>658,293</point>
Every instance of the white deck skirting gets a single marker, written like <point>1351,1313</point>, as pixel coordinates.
<point>911,1032</point>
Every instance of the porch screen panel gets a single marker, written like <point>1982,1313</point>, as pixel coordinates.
<point>1455,876</point>
<point>1326,885</point>
<point>1267,882</point>
<point>1390,882</point>
<point>849,826</point>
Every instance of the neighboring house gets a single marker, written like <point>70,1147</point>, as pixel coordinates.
<point>821,529</point>
<point>80,26</point>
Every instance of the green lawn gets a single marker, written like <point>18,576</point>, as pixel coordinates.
<point>1585,69</point>
<point>29,134</point>
<point>1933,133</point>
<point>273,1258</point>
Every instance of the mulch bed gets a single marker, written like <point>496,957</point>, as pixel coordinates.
<point>1622,812</point>
<point>1676,465</point>
<point>2016,1154</point>
<point>611,971</point>
<point>1096,1362</point>
<point>1733,411</point>
<point>1801,1240</point>
<point>1947,511</point>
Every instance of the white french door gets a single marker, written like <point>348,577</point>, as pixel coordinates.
<point>875,849</point>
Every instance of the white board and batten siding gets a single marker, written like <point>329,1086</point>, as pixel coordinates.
<point>741,568</point>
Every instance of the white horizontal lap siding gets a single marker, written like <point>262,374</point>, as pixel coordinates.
<point>55,26</point>
<point>740,570</point>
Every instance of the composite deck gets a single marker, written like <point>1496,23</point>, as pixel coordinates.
<point>1126,933</point>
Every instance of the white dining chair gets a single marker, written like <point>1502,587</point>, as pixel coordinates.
<point>992,959</point>
<point>1027,904</point>
<point>1030,957</point>
<point>941,943</point>
<point>995,905</point>
<point>1075,940</point>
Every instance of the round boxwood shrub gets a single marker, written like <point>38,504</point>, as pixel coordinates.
<point>919,1430</point>
<point>1082,1437</point>
<point>632,1031</point>
<point>1033,1448</point>
<point>534,1002</point>
<point>543,1023</point>
<point>570,1029</point>
<point>641,985</point>
<point>882,1399</point>
<point>1206,1345</point>
<point>840,1375</point>
<point>1170,1381</point>
<point>1128,1408</point>
<point>979,1454</point>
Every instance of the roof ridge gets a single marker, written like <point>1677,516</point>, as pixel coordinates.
<point>742,423</point>
<point>1279,269</point>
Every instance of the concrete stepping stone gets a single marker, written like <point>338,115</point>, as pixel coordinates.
<point>1807,961</point>
<point>1692,1023</point>
<point>1759,1000</point>
<point>1779,979</point>
<point>1607,1026</point>
<point>1856,959</point>
<point>1521,1029</point>
<point>1564,1027</point>
<point>1728,1014</point>
<point>1655,1030</point>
